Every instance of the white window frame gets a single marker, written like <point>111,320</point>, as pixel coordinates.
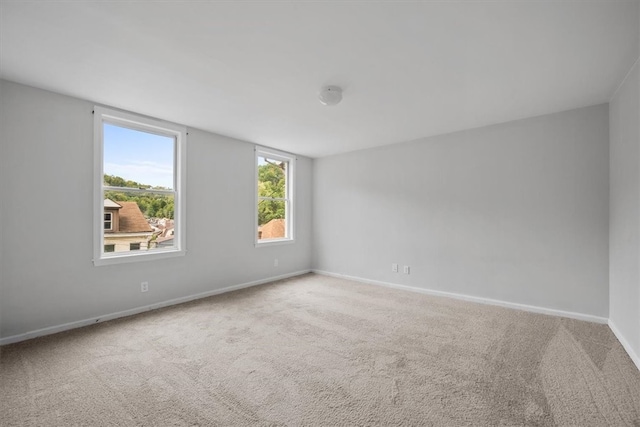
<point>289,196</point>
<point>102,115</point>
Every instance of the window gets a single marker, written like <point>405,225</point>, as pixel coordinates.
<point>107,221</point>
<point>274,196</point>
<point>139,187</point>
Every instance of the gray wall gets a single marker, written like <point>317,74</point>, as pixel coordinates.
<point>3,192</point>
<point>47,276</point>
<point>624,278</point>
<point>516,212</point>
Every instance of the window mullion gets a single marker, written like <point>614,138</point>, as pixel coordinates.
<point>137,190</point>
<point>282,199</point>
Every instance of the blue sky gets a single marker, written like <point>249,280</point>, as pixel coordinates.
<point>138,156</point>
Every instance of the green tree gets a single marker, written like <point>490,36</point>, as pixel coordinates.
<point>271,183</point>
<point>152,205</point>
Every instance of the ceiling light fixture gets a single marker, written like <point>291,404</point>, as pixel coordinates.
<point>330,95</point>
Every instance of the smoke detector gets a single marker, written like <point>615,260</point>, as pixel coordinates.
<point>330,95</point>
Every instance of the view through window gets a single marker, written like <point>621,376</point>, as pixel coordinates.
<point>274,197</point>
<point>138,189</point>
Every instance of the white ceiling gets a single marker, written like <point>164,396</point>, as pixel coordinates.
<point>252,70</point>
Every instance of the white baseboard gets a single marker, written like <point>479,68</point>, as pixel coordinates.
<point>625,344</point>
<point>80,323</point>
<point>488,301</point>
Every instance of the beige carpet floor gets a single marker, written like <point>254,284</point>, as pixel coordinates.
<point>314,350</point>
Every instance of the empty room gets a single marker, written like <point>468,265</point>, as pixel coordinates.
<point>320,213</point>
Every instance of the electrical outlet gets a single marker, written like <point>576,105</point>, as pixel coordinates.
<point>406,269</point>
<point>394,267</point>
<point>144,286</point>
<point>275,262</point>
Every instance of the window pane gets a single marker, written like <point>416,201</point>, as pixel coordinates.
<point>271,219</point>
<point>140,221</point>
<point>107,221</point>
<point>138,181</point>
<point>137,159</point>
<point>272,178</point>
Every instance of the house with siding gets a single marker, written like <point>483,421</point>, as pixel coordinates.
<point>125,227</point>
<point>273,229</point>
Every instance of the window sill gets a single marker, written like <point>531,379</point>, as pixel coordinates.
<point>274,242</point>
<point>127,257</point>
